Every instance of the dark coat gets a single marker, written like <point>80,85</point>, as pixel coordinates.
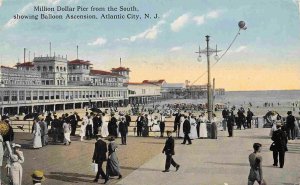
<point>112,127</point>
<point>100,151</point>
<point>225,114</point>
<point>280,139</point>
<point>123,128</point>
<point>128,119</point>
<point>169,146</point>
<point>290,121</point>
<point>140,123</point>
<point>96,122</point>
<point>177,117</point>
<point>186,126</point>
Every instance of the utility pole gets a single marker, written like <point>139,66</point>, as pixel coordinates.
<point>208,51</point>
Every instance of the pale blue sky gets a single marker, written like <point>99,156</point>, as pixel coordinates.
<point>273,34</point>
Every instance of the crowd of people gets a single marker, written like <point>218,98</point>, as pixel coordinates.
<point>98,125</point>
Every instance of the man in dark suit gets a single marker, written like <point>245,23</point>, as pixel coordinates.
<point>280,140</point>
<point>225,115</point>
<point>249,117</point>
<point>177,121</point>
<point>96,124</point>
<point>186,130</point>
<point>128,119</point>
<point>74,122</point>
<point>112,126</point>
<point>99,157</point>
<point>139,124</point>
<point>290,125</point>
<point>123,129</point>
<point>230,123</point>
<point>169,151</point>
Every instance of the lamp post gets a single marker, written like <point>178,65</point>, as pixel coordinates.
<point>208,51</point>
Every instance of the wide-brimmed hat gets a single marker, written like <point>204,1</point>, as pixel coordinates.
<point>289,112</point>
<point>38,175</point>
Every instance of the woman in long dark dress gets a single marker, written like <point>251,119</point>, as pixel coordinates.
<point>112,167</point>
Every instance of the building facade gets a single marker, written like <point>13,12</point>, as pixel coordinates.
<point>54,83</point>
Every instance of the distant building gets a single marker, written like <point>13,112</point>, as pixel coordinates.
<point>172,90</point>
<point>145,92</point>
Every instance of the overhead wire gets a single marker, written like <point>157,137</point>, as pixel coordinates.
<point>217,60</point>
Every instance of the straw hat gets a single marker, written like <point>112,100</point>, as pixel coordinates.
<point>38,175</point>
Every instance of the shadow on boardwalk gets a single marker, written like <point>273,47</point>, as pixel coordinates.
<point>70,177</point>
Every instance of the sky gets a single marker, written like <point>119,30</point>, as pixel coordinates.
<point>263,57</point>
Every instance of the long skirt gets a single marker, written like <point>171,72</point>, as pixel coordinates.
<point>104,130</point>
<point>113,167</point>
<point>181,134</point>
<point>203,130</point>
<point>37,141</point>
<point>67,138</point>
<point>193,134</point>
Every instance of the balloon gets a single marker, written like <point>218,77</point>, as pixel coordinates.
<point>242,25</point>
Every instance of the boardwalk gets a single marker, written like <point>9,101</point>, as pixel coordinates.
<point>206,162</point>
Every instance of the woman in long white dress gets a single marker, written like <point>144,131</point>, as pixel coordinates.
<point>37,136</point>
<point>104,128</point>
<point>82,130</point>
<point>193,134</point>
<point>67,133</point>
<point>181,134</point>
<point>203,128</point>
<point>155,126</point>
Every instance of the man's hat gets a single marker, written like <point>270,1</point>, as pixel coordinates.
<point>289,112</point>
<point>110,138</point>
<point>38,175</point>
<point>168,131</point>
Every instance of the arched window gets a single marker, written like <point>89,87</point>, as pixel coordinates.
<point>44,68</point>
<point>57,68</point>
<point>65,69</point>
<point>61,68</point>
<point>50,68</point>
<point>38,68</point>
